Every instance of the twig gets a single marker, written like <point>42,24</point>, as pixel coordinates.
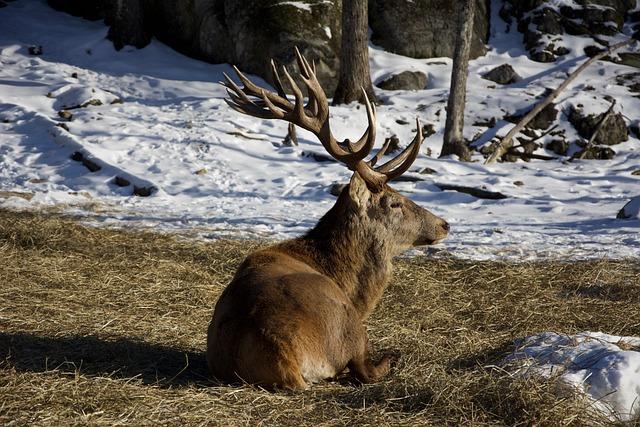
<point>507,141</point>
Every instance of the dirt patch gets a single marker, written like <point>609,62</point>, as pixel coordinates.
<point>99,326</point>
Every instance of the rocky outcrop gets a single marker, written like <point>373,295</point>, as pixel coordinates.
<point>424,28</point>
<point>250,32</point>
<point>543,22</point>
<point>247,33</point>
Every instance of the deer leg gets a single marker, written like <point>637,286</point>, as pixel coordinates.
<point>364,370</point>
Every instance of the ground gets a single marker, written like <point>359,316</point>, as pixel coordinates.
<point>107,327</point>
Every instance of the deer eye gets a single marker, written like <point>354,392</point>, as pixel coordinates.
<point>396,205</point>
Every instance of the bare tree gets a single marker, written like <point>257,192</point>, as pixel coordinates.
<point>453,142</point>
<point>354,55</point>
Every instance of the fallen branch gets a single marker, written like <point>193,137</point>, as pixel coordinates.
<point>591,141</point>
<point>507,141</point>
<point>475,192</point>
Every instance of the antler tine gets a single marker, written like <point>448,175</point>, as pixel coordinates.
<point>250,110</point>
<point>363,147</point>
<point>252,89</point>
<point>298,108</point>
<point>404,159</point>
<point>237,92</point>
<point>381,152</point>
<point>276,80</point>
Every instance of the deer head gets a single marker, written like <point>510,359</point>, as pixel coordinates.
<point>368,200</point>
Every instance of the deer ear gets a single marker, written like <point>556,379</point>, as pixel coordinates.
<point>358,190</point>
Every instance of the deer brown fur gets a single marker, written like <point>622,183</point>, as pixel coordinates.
<point>294,312</point>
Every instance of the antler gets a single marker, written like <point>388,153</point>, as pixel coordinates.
<point>314,117</point>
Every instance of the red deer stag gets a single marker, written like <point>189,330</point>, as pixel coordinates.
<point>294,312</point>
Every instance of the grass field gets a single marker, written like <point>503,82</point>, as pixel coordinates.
<point>106,327</point>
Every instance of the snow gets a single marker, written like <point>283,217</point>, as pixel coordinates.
<point>605,368</point>
<point>219,173</point>
<point>632,209</point>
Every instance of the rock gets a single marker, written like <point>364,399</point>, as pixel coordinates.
<point>427,171</point>
<point>613,132</point>
<point>518,183</point>
<point>486,123</point>
<point>543,120</point>
<point>317,156</point>
<point>63,126</point>
<point>64,114</point>
<point>201,172</point>
<point>74,75</point>
<point>543,56</point>
<point>91,165</point>
<point>503,74</point>
<point>635,129</point>
<point>428,129</point>
<point>424,28</point>
<point>35,50</point>
<point>144,191</point>
<point>394,144</point>
<point>631,59</point>
<point>558,146</point>
<point>121,182</point>
<point>406,80</point>
<point>636,172</point>
<point>336,189</point>
<point>631,210</point>
<point>630,80</point>
<point>596,152</point>
<point>77,156</point>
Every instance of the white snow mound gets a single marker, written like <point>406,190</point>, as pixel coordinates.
<point>75,96</point>
<point>605,368</point>
<point>631,210</point>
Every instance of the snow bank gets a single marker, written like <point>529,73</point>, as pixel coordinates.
<point>605,368</point>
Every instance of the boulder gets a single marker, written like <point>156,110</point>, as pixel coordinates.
<point>424,28</point>
<point>543,120</point>
<point>406,80</point>
<point>503,74</point>
<point>613,132</point>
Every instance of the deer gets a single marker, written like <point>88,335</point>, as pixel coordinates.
<point>294,313</point>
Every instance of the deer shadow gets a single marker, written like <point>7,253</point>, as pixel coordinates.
<point>124,358</point>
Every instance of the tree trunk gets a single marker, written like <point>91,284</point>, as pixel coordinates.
<point>354,55</point>
<point>454,142</point>
<point>128,27</point>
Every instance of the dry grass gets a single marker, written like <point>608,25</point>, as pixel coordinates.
<point>106,327</point>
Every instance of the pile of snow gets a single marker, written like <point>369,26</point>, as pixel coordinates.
<point>72,96</point>
<point>219,173</point>
<point>605,368</point>
<point>631,210</point>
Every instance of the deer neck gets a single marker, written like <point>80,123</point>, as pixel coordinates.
<point>359,262</point>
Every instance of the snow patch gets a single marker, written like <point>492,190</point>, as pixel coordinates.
<point>605,368</point>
